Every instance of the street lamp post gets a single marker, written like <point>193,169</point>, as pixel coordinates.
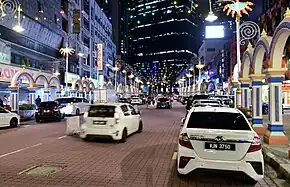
<point>116,69</point>
<point>211,16</point>
<point>66,51</point>
<point>183,81</point>
<point>189,81</point>
<point>131,82</point>
<point>125,79</point>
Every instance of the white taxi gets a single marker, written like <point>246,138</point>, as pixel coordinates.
<point>219,138</point>
<point>115,121</point>
<point>8,119</point>
<point>73,105</point>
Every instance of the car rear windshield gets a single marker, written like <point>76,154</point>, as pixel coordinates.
<point>196,97</point>
<point>218,120</point>
<point>66,100</point>
<point>102,111</point>
<point>163,100</point>
<point>47,104</point>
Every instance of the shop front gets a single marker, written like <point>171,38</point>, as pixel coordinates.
<point>24,85</point>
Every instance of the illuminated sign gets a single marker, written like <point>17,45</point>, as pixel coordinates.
<point>100,57</point>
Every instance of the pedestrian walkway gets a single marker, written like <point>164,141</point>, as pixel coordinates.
<point>277,155</point>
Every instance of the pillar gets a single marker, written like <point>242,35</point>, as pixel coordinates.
<point>46,95</point>
<point>234,88</point>
<point>31,95</point>
<point>58,93</point>
<point>245,92</point>
<point>72,93</point>
<point>275,132</point>
<point>257,104</point>
<point>14,99</point>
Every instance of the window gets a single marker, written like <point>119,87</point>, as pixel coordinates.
<point>50,104</point>
<point>133,111</point>
<point>85,100</point>
<point>3,110</point>
<point>125,110</point>
<point>102,111</point>
<point>163,99</point>
<point>218,120</point>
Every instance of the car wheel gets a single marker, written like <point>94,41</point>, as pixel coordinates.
<point>140,129</point>
<point>13,122</point>
<point>77,112</point>
<point>250,181</point>
<point>37,120</point>
<point>124,136</point>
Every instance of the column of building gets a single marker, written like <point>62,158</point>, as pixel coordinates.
<point>245,92</point>
<point>275,133</point>
<point>257,103</point>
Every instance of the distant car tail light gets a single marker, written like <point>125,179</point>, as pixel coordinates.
<point>255,145</point>
<point>55,109</point>
<point>185,141</point>
<point>37,110</point>
<point>117,118</point>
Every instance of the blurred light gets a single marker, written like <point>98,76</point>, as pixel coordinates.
<point>18,28</point>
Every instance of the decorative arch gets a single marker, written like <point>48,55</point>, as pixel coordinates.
<point>56,81</point>
<point>92,86</point>
<point>246,63</point>
<point>14,81</point>
<point>282,32</point>
<point>79,83</point>
<point>211,83</point>
<point>261,48</point>
<point>86,85</point>
<point>44,78</point>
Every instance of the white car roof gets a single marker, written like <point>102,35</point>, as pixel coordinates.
<point>206,101</point>
<point>109,104</point>
<point>214,109</point>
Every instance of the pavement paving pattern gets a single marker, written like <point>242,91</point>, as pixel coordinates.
<point>145,160</point>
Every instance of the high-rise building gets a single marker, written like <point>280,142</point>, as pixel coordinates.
<point>163,35</point>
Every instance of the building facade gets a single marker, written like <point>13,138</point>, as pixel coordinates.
<point>163,35</point>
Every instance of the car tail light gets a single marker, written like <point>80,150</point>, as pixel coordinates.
<point>255,145</point>
<point>117,118</point>
<point>56,109</point>
<point>37,110</point>
<point>185,141</point>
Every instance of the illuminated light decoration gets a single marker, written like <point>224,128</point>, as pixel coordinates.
<point>238,8</point>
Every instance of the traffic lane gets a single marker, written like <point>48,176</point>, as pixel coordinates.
<point>19,138</point>
<point>146,159</point>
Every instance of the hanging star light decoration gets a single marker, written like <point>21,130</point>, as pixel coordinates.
<point>237,8</point>
<point>67,50</point>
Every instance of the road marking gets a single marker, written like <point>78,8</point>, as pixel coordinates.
<point>174,156</point>
<point>19,150</point>
<point>61,137</point>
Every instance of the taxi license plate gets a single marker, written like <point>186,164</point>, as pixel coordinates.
<point>220,146</point>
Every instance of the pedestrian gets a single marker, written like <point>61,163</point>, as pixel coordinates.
<point>38,101</point>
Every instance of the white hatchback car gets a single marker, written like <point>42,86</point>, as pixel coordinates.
<point>8,119</point>
<point>115,121</point>
<point>73,105</point>
<point>219,138</point>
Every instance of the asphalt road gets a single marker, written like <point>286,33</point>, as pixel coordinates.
<point>37,155</point>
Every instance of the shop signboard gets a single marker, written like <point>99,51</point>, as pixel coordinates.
<point>71,77</point>
<point>5,53</point>
<point>100,57</point>
<point>7,73</point>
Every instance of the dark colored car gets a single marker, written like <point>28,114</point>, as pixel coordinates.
<point>124,100</point>
<point>164,103</point>
<point>49,110</point>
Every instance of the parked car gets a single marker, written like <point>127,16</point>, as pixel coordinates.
<point>48,110</point>
<point>207,102</point>
<point>124,100</point>
<point>114,121</point>
<point>164,103</point>
<point>8,119</point>
<point>136,101</point>
<point>73,105</point>
<point>219,138</point>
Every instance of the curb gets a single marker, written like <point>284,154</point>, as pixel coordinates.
<point>280,165</point>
